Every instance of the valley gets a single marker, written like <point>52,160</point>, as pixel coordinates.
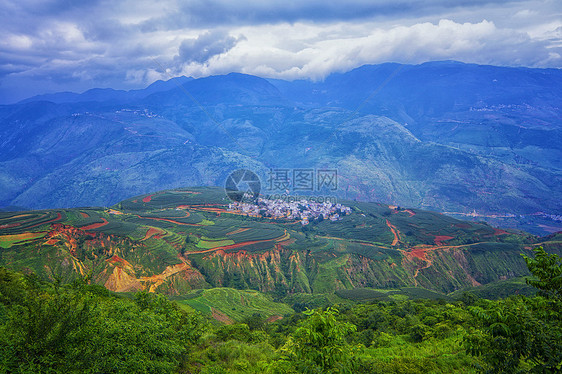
<point>411,140</point>
<point>182,240</point>
<point>280,187</point>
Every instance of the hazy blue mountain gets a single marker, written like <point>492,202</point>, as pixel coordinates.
<point>444,135</point>
<point>510,113</point>
<point>109,94</point>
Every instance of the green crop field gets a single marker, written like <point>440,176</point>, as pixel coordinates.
<point>7,241</point>
<point>499,289</point>
<point>21,222</point>
<point>213,243</point>
<point>236,304</point>
<point>412,293</point>
<point>173,198</point>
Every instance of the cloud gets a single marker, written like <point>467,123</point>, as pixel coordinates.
<point>52,45</point>
<point>221,13</point>
<point>205,46</point>
<point>316,51</point>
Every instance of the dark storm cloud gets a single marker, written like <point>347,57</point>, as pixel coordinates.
<point>205,46</point>
<point>226,12</point>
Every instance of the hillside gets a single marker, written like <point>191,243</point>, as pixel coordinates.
<point>443,136</point>
<point>179,240</point>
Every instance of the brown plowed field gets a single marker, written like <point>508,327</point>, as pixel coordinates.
<point>94,226</point>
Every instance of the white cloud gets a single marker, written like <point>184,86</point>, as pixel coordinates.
<point>100,43</point>
<point>266,51</point>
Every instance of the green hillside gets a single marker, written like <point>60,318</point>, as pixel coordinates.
<point>181,240</point>
<point>230,305</point>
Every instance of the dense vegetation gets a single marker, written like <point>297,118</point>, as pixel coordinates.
<point>46,327</point>
<point>83,328</point>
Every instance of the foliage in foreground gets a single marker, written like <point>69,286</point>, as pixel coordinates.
<point>81,328</point>
<point>522,334</point>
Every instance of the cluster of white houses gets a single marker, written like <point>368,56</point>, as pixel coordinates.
<point>302,210</point>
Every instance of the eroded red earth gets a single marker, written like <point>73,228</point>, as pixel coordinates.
<point>94,226</point>
<point>439,239</point>
<point>395,232</point>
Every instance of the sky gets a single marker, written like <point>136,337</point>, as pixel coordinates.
<point>65,45</point>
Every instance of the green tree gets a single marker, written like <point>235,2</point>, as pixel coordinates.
<point>521,334</point>
<point>547,269</point>
<point>38,324</point>
<point>81,328</point>
<point>319,344</point>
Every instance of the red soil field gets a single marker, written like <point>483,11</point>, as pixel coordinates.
<point>84,215</point>
<point>154,231</point>
<point>7,226</point>
<point>221,317</point>
<point>170,220</point>
<point>95,225</point>
<point>439,239</point>
<point>147,199</point>
<point>59,216</point>
<point>282,244</point>
<point>499,232</point>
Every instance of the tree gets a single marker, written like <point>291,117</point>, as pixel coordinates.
<point>521,332</point>
<point>81,328</point>
<point>548,269</point>
<point>319,346</point>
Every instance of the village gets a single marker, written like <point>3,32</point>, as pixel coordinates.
<point>303,210</point>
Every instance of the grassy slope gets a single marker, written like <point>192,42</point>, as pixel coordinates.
<point>235,304</point>
<point>374,247</point>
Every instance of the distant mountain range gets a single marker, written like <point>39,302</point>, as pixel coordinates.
<point>445,136</point>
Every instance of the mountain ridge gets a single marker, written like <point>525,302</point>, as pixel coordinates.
<point>479,147</point>
<point>178,240</point>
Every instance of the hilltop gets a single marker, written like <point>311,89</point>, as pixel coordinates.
<point>180,240</point>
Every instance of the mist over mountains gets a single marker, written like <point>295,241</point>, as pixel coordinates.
<point>445,136</point>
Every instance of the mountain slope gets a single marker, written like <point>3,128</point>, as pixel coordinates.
<point>443,136</point>
<point>178,240</point>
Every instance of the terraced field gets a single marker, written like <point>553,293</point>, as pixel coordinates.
<point>179,240</point>
<point>21,222</point>
<point>232,305</point>
<point>370,294</point>
<point>6,241</point>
